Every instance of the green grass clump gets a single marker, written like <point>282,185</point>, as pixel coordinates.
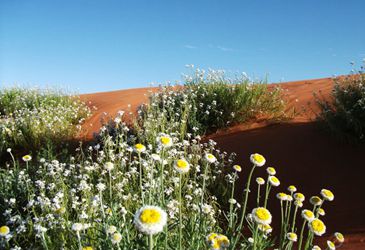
<point>211,101</point>
<point>31,118</point>
<point>344,113</point>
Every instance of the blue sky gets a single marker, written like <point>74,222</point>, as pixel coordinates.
<point>102,45</point>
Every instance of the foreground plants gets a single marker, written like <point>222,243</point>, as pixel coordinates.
<point>153,185</point>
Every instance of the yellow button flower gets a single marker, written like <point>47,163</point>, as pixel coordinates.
<point>327,194</point>
<point>261,215</point>
<point>4,230</point>
<point>317,227</point>
<point>258,160</point>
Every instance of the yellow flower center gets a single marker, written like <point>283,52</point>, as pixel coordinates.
<point>331,244</point>
<point>165,140</point>
<point>258,158</point>
<point>212,236</point>
<point>4,230</point>
<point>308,214</point>
<point>282,195</point>
<point>339,237</point>
<point>328,193</point>
<point>271,169</point>
<point>87,248</point>
<point>237,168</point>
<point>182,164</point>
<point>274,179</point>
<point>317,225</point>
<point>139,146</point>
<point>222,240</point>
<point>117,237</point>
<point>215,244</point>
<point>210,156</point>
<point>150,216</point>
<point>262,214</point>
<point>292,236</point>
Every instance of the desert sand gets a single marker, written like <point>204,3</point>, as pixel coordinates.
<point>301,153</point>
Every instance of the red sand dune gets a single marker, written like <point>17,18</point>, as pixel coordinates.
<point>300,152</point>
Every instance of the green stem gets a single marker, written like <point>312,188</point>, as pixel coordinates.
<point>180,214</point>
<point>246,197</point>
<point>282,224</point>
<point>110,188</point>
<point>267,196</point>
<point>255,237</point>
<point>244,208</point>
<point>231,208</point>
<point>204,178</point>
<point>151,242</point>
<point>294,218</point>
<point>301,236</point>
<point>258,195</point>
<point>140,177</point>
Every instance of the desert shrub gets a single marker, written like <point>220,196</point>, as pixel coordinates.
<point>30,118</point>
<point>152,185</point>
<point>212,101</point>
<point>344,113</point>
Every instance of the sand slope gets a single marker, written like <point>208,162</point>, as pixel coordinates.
<point>300,152</point>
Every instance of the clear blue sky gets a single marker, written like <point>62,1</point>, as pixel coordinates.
<point>100,45</point>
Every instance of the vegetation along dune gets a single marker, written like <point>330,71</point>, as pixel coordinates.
<point>297,148</point>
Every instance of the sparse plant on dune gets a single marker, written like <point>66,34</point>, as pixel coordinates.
<point>153,185</point>
<point>344,113</point>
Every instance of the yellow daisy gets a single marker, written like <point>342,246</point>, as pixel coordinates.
<point>260,181</point>
<point>164,141</point>
<point>321,212</point>
<point>331,245</point>
<point>292,236</point>
<point>317,227</point>
<point>339,237</point>
<point>271,171</point>
<point>308,215</point>
<point>274,181</point>
<point>237,168</point>
<point>282,196</point>
<point>27,158</point>
<point>298,203</point>
<point>266,228</point>
<point>261,215</point>
<point>258,160</point>
<point>292,189</point>
<point>210,158</point>
<point>150,219</point>
<point>116,238</point>
<point>327,194</point>
<point>4,230</point>
<point>315,201</point>
<point>139,148</point>
<point>299,197</point>
<point>182,166</point>
<point>217,241</point>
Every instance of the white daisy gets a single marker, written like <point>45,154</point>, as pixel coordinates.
<point>150,219</point>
